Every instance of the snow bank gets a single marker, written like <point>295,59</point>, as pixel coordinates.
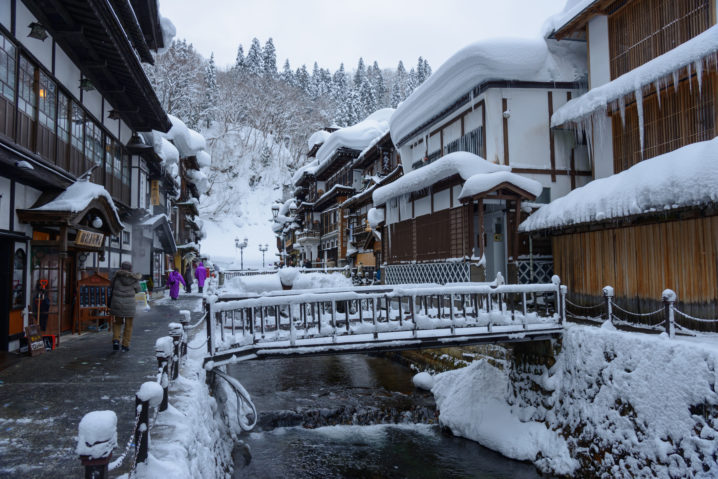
<point>461,162</point>
<point>482,183</point>
<point>270,282</point>
<point>684,177</point>
<point>357,136</point>
<point>187,141</point>
<point>77,197</point>
<point>473,404</point>
<point>97,434</point>
<point>317,138</point>
<point>495,59</point>
<point>423,380</point>
<point>571,10</point>
<point>375,216</point>
<point>634,398</point>
<point>661,70</point>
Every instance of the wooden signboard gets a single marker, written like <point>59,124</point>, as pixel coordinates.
<point>89,238</point>
<point>35,343</point>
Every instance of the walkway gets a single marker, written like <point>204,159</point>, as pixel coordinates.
<point>43,398</point>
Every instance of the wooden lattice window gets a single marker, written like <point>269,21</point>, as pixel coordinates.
<point>684,117</point>
<point>645,29</point>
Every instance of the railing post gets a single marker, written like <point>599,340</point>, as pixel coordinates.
<point>608,297</point>
<point>150,394</point>
<point>564,291</point>
<point>163,352</point>
<point>175,332</point>
<point>669,299</point>
<point>184,321</point>
<point>97,437</point>
<point>210,320</point>
<point>557,282</point>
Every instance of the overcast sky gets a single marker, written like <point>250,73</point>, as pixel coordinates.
<point>334,31</point>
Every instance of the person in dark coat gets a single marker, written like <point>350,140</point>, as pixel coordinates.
<point>125,284</point>
<point>188,277</point>
<point>201,274</point>
<point>173,281</point>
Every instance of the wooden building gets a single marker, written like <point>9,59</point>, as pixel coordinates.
<point>72,94</point>
<point>648,114</point>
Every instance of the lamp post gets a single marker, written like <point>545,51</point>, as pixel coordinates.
<point>241,247</point>
<point>263,249</point>
<point>275,211</point>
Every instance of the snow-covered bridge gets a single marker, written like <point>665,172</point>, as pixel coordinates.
<point>382,318</point>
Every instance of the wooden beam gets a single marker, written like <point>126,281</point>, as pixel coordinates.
<point>481,228</point>
<point>550,138</point>
<point>505,107</point>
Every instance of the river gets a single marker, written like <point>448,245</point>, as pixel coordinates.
<point>353,416</point>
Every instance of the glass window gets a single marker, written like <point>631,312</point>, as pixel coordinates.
<point>109,157</point>
<point>27,101</point>
<point>78,123</point>
<point>63,118</point>
<point>47,92</point>
<point>7,68</point>
<point>125,168</point>
<point>18,279</point>
<point>93,142</point>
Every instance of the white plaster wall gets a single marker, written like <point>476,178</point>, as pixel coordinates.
<point>93,102</point>
<point>392,213</point>
<point>406,153</point>
<point>434,143</point>
<point>598,56</point>
<point>494,125</point>
<point>4,203</point>
<point>112,125</point>
<point>5,14</point>
<point>602,147</point>
<point>404,207</point>
<point>67,73</point>
<point>457,192</point>
<point>41,49</point>
<point>125,133</point>
<point>25,197</point>
<point>441,200</point>
<point>422,206</point>
<point>452,132</point>
<point>528,128</point>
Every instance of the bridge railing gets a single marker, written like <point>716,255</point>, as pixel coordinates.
<point>307,318</point>
<point>234,273</point>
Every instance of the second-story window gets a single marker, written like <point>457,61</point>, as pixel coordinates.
<point>78,127</point>
<point>93,142</point>
<point>63,130</point>
<point>27,101</point>
<point>7,86</point>
<point>47,96</point>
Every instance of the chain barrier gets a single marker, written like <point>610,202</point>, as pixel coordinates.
<point>198,347</point>
<point>583,307</point>
<point>623,322</point>
<point>660,310</point>
<point>198,322</point>
<point>130,442</point>
<point>693,318</point>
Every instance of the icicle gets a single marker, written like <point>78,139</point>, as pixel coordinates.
<point>639,107</point>
<point>675,81</point>
<point>657,86</point>
<point>699,74</point>
<point>622,106</point>
<point>690,83</point>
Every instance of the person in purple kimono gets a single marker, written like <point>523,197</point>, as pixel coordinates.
<point>201,274</point>
<point>173,281</point>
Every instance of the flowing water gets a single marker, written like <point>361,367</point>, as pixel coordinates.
<point>353,416</point>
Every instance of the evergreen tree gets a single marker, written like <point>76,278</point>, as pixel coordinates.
<point>367,99</point>
<point>398,87</point>
<point>269,59</point>
<point>253,63</point>
<point>411,83</point>
<point>211,93</point>
<point>420,73</point>
<point>287,75</point>
<point>302,76</point>
<point>239,61</point>
<point>339,84</point>
<point>427,69</point>
<point>314,82</point>
<point>360,74</point>
<point>377,81</point>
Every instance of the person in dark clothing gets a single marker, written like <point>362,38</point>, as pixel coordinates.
<point>125,284</point>
<point>188,277</point>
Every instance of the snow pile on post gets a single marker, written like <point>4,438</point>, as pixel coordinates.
<point>697,53</point>
<point>462,163</point>
<point>496,59</point>
<point>682,178</point>
<point>357,136</point>
<point>97,434</point>
<point>482,183</point>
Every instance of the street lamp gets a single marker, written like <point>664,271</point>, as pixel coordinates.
<point>275,210</point>
<point>263,249</point>
<point>241,247</point>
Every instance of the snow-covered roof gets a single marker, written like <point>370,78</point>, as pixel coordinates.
<point>165,150</point>
<point>187,141</point>
<point>310,168</point>
<point>375,216</point>
<point>357,136</point>
<point>78,196</point>
<point>203,159</point>
<point>496,59</point>
<point>153,220</point>
<point>684,177</point>
<point>483,182</point>
<point>571,10</point>
<point>661,71</point>
<point>461,162</point>
<point>317,138</point>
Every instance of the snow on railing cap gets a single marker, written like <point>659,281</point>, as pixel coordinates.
<point>150,391</point>
<point>669,295</point>
<point>555,279</point>
<point>164,346</point>
<point>608,291</point>
<point>97,434</point>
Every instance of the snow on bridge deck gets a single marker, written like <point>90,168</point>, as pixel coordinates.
<point>386,318</point>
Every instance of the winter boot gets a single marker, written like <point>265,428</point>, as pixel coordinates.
<point>115,345</point>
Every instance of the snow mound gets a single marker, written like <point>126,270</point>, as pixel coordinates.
<point>684,177</point>
<point>357,136</point>
<point>484,182</point>
<point>317,138</point>
<point>571,10</point>
<point>496,59</point>
<point>375,216</point>
<point>97,434</point>
<point>423,380</point>
<point>461,162</point>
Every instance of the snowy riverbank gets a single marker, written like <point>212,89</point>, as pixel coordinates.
<point>614,403</point>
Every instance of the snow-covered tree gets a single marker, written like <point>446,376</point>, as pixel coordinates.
<point>377,82</point>
<point>287,75</point>
<point>302,76</point>
<point>269,59</point>
<point>239,60</point>
<point>254,63</point>
<point>398,87</point>
<point>210,84</point>
<point>360,74</point>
